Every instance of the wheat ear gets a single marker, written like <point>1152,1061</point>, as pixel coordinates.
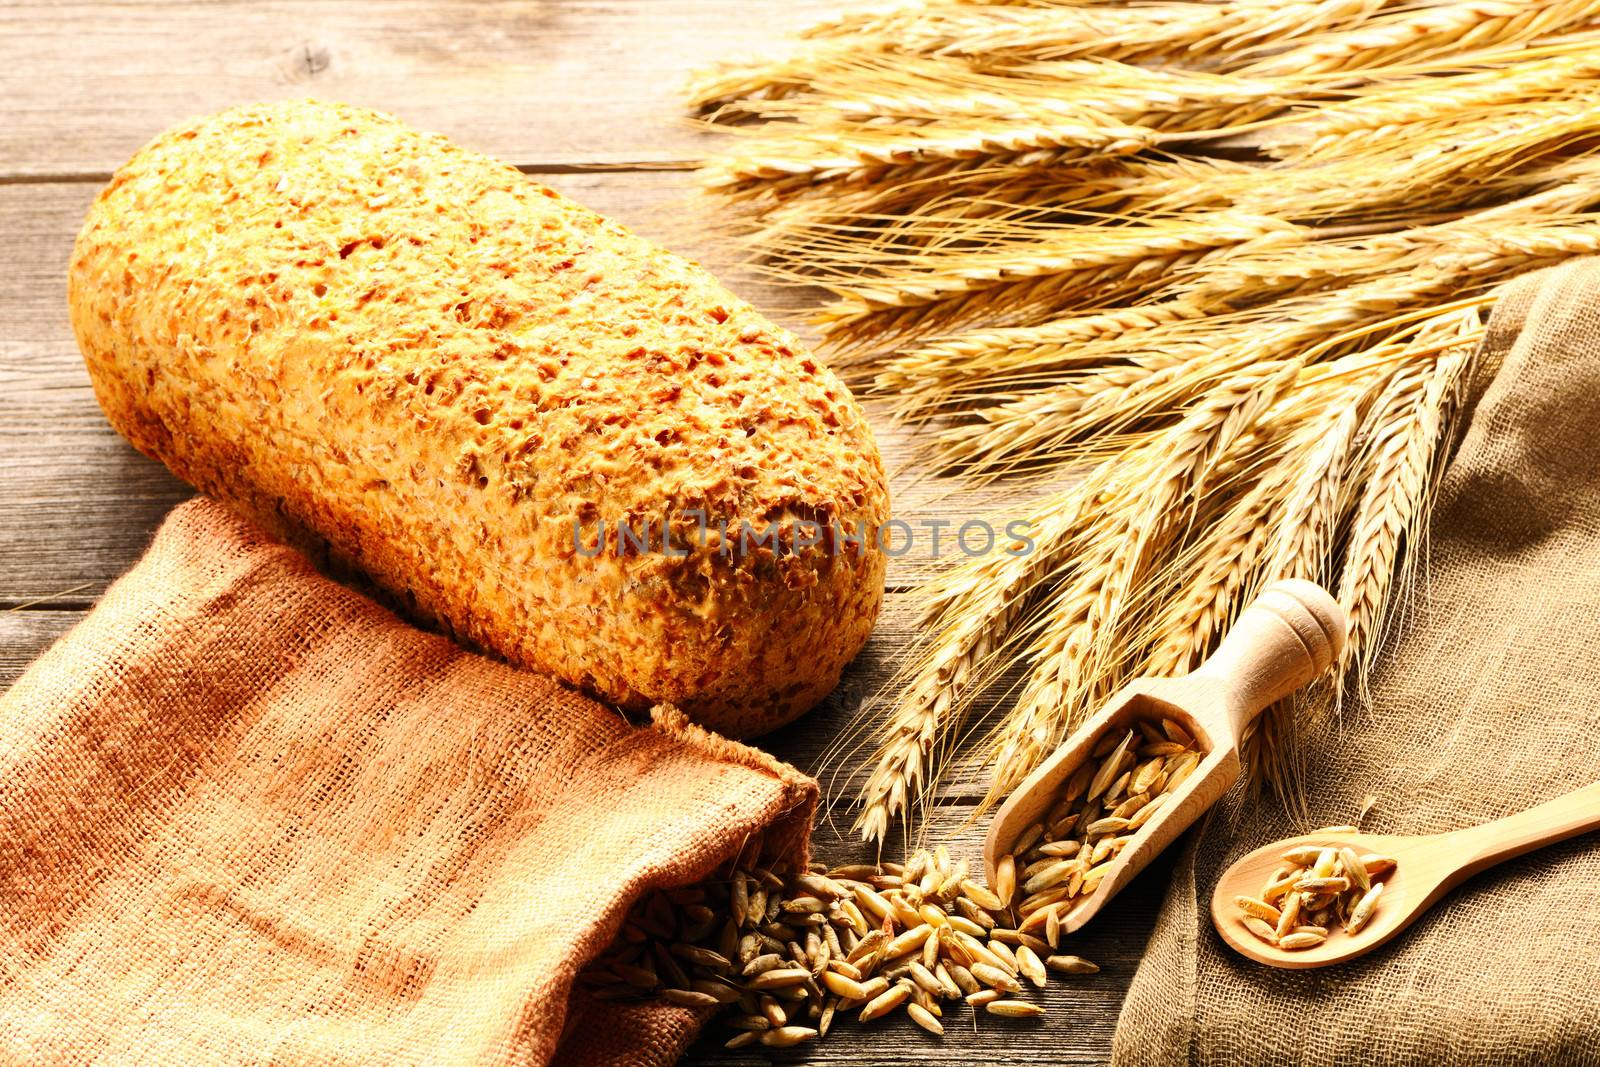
<point>926,378</point>
<point>1426,32</point>
<point>1407,426</point>
<point>1002,33</point>
<point>1040,423</point>
<point>1227,556</point>
<point>1505,238</point>
<point>972,611</point>
<point>1085,619</point>
<point>860,154</point>
<point>1298,541</point>
<point>1105,266</point>
<point>1426,99</point>
<point>883,88</point>
<point>1302,537</point>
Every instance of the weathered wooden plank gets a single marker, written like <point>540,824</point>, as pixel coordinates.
<point>25,634</point>
<point>83,503</point>
<point>533,81</point>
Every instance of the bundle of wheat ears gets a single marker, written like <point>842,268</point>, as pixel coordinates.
<point>1226,261</point>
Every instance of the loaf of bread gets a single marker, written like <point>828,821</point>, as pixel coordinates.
<point>466,385</point>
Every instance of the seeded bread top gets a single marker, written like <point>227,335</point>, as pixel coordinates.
<point>441,366</point>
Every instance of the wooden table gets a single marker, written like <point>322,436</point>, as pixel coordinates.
<point>563,89</point>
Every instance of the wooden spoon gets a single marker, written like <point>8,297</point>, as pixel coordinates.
<point>1427,867</point>
<point>1287,637</point>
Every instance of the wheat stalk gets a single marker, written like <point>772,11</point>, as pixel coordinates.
<point>1490,134</point>
<point>1086,615</point>
<point>1505,239</point>
<point>1409,423</point>
<point>1071,652</point>
<point>1410,36</point>
<point>1282,525</point>
<point>1107,401</point>
<point>1125,264</point>
<point>1002,33</point>
<point>720,90</point>
<point>1215,584</point>
<point>866,154</point>
<point>889,89</point>
<point>1300,541</point>
<point>971,611</point>
<point>837,230</point>
<point>1256,359</point>
<point>1428,99</point>
<point>1065,657</point>
<point>1451,162</point>
<point>1298,545</point>
<point>928,378</point>
<point>1093,266</point>
<point>1233,564</point>
<point>849,224</point>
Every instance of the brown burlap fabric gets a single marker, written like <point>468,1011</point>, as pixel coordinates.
<point>1484,703</point>
<point>248,816</point>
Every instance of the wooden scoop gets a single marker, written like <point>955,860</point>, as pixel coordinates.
<point>1286,638</point>
<point>1427,867</point>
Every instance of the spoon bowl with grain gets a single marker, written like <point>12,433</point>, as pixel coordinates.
<point>1424,868</point>
<point>1150,762</point>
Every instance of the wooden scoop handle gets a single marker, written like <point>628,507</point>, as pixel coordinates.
<point>1291,633</point>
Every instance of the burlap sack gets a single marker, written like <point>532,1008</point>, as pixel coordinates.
<point>1485,703</point>
<point>248,816</point>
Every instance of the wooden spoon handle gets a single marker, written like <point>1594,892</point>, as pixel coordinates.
<point>1291,633</point>
<point>1555,820</point>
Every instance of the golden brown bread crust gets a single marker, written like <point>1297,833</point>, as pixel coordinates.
<point>371,336</point>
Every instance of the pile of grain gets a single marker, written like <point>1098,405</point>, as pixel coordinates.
<point>782,954</point>
<point>1058,862</point>
<point>1315,887</point>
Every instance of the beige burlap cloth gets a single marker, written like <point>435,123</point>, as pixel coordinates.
<point>248,816</point>
<point>1486,702</point>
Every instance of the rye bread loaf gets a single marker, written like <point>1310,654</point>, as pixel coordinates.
<point>457,380</point>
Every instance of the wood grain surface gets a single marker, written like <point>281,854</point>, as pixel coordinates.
<point>555,87</point>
